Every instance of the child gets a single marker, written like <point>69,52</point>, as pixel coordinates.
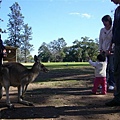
<point>100,73</point>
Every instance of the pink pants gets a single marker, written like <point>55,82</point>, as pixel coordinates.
<point>100,81</point>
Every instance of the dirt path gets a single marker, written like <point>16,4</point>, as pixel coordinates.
<point>74,102</point>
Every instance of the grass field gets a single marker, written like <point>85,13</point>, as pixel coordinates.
<point>64,74</point>
<point>60,64</point>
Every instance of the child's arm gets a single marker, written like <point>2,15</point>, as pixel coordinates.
<point>92,63</point>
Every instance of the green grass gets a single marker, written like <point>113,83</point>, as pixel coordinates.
<point>66,64</point>
<point>60,64</point>
<point>64,74</point>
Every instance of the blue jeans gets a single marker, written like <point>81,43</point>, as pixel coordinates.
<point>110,70</point>
<point>117,73</point>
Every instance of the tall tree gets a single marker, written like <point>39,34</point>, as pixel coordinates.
<point>1,20</point>
<point>77,45</point>
<point>90,48</point>
<point>44,53</point>
<point>26,47</point>
<point>15,26</point>
<point>56,48</point>
<point>0,3</point>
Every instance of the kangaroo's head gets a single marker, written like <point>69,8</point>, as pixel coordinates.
<point>38,65</point>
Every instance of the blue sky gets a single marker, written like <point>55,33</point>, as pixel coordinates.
<point>53,19</point>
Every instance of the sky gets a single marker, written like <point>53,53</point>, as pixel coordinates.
<point>54,19</point>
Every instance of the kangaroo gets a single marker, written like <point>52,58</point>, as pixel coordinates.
<point>17,75</point>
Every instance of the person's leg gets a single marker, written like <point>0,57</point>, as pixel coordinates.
<point>1,56</point>
<point>107,70</point>
<point>111,80</point>
<point>116,99</point>
<point>117,69</point>
<point>104,85</point>
<point>96,84</point>
<point>1,89</point>
<point>0,62</point>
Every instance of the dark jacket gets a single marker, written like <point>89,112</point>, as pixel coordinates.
<point>116,27</point>
<point>2,47</point>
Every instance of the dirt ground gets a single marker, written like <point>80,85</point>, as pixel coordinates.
<point>63,101</point>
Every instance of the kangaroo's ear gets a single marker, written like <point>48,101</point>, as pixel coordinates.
<point>36,58</point>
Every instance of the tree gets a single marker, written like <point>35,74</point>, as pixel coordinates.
<point>15,26</point>
<point>1,20</point>
<point>19,34</point>
<point>79,51</point>
<point>69,54</point>
<point>26,47</point>
<point>78,47</point>
<point>92,49</point>
<point>44,53</point>
<point>54,51</point>
<point>56,48</point>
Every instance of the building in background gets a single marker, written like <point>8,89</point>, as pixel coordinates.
<point>11,54</point>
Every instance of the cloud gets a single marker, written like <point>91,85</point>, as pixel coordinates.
<point>86,15</point>
<point>83,15</point>
<point>74,13</point>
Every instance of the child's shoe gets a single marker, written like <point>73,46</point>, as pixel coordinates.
<point>111,88</point>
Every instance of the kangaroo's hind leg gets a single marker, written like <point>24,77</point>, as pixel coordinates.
<point>8,103</point>
<point>6,85</point>
<point>20,98</point>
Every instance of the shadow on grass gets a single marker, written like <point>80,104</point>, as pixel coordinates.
<point>56,112</point>
<point>60,91</point>
<point>42,95</point>
<point>66,74</point>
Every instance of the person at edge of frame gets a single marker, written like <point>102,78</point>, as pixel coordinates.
<point>2,54</point>
<point>2,51</point>
<point>105,38</point>
<point>116,40</point>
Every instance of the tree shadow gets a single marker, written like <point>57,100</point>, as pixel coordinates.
<point>43,94</point>
<point>66,74</point>
<point>53,112</point>
<point>39,111</point>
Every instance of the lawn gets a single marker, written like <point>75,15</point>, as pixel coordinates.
<point>65,71</point>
